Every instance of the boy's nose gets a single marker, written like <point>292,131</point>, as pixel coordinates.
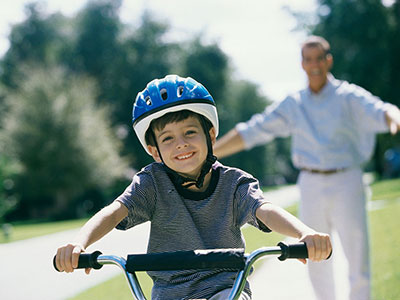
<point>181,143</point>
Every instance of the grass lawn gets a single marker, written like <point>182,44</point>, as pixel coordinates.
<point>385,242</point>
<point>28,230</point>
<point>386,189</point>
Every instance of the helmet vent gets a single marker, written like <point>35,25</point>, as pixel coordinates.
<point>180,91</point>
<point>148,100</point>
<point>164,94</point>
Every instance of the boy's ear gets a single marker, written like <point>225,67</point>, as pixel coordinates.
<point>212,135</point>
<point>154,152</point>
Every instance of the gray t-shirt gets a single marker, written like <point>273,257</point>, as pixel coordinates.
<point>188,221</point>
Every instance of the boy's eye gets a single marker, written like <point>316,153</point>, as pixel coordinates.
<point>166,139</point>
<point>191,132</point>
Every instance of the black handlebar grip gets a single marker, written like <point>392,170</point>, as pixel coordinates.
<point>86,260</point>
<point>293,251</point>
<point>54,263</point>
<point>89,260</point>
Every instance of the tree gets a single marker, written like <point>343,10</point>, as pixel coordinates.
<point>62,140</point>
<point>96,45</point>
<point>209,65</point>
<point>8,201</point>
<point>121,59</point>
<point>359,33</point>
<point>39,39</point>
<point>145,56</point>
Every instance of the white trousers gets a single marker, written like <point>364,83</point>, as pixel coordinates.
<point>337,202</point>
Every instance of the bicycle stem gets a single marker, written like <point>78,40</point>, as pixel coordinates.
<point>133,282</point>
<point>251,258</point>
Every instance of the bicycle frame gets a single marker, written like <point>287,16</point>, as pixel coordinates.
<point>204,259</point>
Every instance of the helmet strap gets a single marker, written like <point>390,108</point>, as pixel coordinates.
<point>210,159</point>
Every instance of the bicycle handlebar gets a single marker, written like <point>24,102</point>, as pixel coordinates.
<point>187,260</point>
<point>231,259</point>
<point>293,251</point>
<point>193,259</point>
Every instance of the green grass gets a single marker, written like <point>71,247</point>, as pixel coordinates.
<point>28,230</point>
<point>385,242</point>
<point>116,288</point>
<point>386,189</point>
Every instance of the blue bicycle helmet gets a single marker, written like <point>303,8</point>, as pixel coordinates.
<point>169,94</point>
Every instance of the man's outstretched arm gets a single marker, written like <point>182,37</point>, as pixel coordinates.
<point>229,144</point>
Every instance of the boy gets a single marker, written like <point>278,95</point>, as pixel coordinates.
<point>191,200</point>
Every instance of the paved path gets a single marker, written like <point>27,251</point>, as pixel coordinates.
<point>26,266</point>
<point>27,270</point>
<point>289,280</point>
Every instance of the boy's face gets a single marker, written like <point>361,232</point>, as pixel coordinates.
<point>183,146</point>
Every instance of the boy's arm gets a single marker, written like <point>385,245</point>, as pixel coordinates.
<point>277,219</point>
<point>97,227</point>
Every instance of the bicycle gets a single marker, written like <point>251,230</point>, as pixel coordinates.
<point>235,259</point>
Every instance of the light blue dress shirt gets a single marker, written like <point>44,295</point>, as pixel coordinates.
<point>333,129</point>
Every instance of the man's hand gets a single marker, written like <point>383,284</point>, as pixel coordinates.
<point>393,119</point>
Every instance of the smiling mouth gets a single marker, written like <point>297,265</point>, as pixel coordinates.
<point>315,72</point>
<point>186,156</point>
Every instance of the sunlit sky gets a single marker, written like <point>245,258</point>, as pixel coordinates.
<point>257,35</point>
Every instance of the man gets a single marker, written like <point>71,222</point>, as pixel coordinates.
<point>333,125</point>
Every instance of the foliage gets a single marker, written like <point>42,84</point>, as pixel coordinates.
<point>37,39</point>
<point>209,65</point>
<point>61,139</point>
<point>118,60</point>
<point>8,171</point>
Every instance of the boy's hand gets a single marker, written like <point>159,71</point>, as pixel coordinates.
<point>318,245</point>
<point>68,256</point>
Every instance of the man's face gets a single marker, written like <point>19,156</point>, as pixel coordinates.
<point>183,146</point>
<point>317,64</point>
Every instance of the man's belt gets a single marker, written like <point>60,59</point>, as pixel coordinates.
<point>324,172</point>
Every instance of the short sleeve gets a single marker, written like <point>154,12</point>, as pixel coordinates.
<point>139,197</point>
<point>249,197</point>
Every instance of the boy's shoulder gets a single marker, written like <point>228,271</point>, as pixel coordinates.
<point>153,171</point>
<point>231,171</point>
<point>152,167</point>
